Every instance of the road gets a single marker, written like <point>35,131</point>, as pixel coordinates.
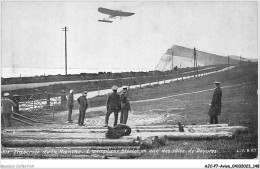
<point>10,87</point>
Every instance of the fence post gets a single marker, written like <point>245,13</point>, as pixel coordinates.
<point>48,99</point>
<point>16,100</point>
<point>33,105</point>
<point>52,111</point>
<point>128,82</point>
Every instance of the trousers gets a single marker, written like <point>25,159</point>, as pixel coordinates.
<point>109,111</point>
<point>81,116</point>
<point>70,112</point>
<point>124,116</point>
<point>213,119</point>
<point>6,119</point>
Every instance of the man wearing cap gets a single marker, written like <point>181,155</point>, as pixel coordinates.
<point>70,105</point>
<point>125,106</point>
<point>63,99</point>
<point>6,110</point>
<point>113,105</point>
<point>83,105</point>
<point>215,106</point>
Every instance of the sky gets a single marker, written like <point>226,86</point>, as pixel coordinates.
<point>32,35</point>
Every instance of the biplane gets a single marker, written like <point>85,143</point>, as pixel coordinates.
<point>113,14</point>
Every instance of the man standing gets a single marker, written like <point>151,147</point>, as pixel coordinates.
<point>215,106</point>
<point>125,106</point>
<point>113,105</point>
<point>63,100</point>
<point>70,105</point>
<point>83,105</point>
<point>6,110</point>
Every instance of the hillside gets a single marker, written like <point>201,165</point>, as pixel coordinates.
<point>181,101</point>
<point>244,59</point>
<point>183,57</point>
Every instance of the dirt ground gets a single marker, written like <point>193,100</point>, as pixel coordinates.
<point>188,102</point>
<point>154,108</point>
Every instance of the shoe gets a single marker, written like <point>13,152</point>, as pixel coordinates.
<point>105,125</point>
<point>70,121</point>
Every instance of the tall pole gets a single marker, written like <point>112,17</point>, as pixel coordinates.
<point>197,65</point>
<point>194,52</point>
<point>172,60</point>
<point>228,60</point>
<point>65,29</point>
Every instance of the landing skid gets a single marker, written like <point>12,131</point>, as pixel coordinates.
<point>105,21</point>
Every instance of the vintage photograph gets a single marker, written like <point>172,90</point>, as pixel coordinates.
<point>100,81</point>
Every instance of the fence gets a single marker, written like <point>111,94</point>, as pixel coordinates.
<point>34,106</point>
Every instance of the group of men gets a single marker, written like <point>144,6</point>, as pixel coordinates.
<point>115,103</point>
<point>83,106</point>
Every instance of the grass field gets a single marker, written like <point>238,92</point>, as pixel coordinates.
<point>101,83</point>
<point>239,107</point>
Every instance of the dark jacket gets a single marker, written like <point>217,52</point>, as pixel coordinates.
<point>83,103</point>
<point>215,108</point>
<point>113,102</point>
<point>124,101</point>
<point>6,106</point>
<point>70,100</point>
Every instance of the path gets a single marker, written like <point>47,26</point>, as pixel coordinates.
<point>10,87</point>
<point>149,117</point>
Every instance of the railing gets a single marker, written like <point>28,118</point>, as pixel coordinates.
<point>36,105</point>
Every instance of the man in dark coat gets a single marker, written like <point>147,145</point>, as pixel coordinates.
<point>125,106</point>
<point>113,105</point>
<point>70,105</point>
<point>83,105</point>
<point>215,106</point>
<point>6,110</point>
<point>63,100</point>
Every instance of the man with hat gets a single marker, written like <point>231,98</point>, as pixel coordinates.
<point>215,106</point>
<point>6,110</point>
<point>125,106</point>
<point>70,105</point>
<point>113,105</point>
<point>83,105</point>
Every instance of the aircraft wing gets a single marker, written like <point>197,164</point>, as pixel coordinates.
<point>107,11</point>
<point>120,13</point>
<point>114,13</point>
